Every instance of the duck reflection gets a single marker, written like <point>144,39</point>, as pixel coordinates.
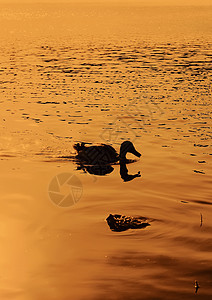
<point>97,160</point>
<point>99,170</point>
<point>124,172</point>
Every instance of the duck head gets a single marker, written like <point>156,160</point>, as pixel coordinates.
<point>126,147</point>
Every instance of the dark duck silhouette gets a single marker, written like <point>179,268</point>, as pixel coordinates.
<point>104,154</point>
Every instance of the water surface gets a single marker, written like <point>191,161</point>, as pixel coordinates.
<point>104,74</point>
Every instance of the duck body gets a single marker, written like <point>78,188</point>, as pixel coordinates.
<point>103,154</point>
<point>97,155</point>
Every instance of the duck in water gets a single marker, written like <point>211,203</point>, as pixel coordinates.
<point>98,160</point>
<point>104,154</point>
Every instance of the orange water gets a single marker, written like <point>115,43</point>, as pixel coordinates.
<point>104,74</point>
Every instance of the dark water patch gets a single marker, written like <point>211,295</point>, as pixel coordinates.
<point>201,202</point>
<point>37,120</point>
<point>48,102</point>
<point>50,60</point>
<point>199,172</point>
<point>76,116</point>
<point>200,145</point>
<point>8,155</point>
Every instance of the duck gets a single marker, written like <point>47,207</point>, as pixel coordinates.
<point>104,154</point>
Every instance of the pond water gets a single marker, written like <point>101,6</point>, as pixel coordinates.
<point>105,74</point>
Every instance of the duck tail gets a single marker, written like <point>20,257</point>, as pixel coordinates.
<point>78,147</point>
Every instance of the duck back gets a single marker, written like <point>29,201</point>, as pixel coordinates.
<point>98,155</point>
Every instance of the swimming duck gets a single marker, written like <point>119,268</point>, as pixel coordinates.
<point>104,154</point>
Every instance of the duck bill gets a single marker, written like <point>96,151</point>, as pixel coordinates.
<point>133,151</point>
<point>136,153</point>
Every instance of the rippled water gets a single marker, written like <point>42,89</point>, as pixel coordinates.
<point>105,75</point>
